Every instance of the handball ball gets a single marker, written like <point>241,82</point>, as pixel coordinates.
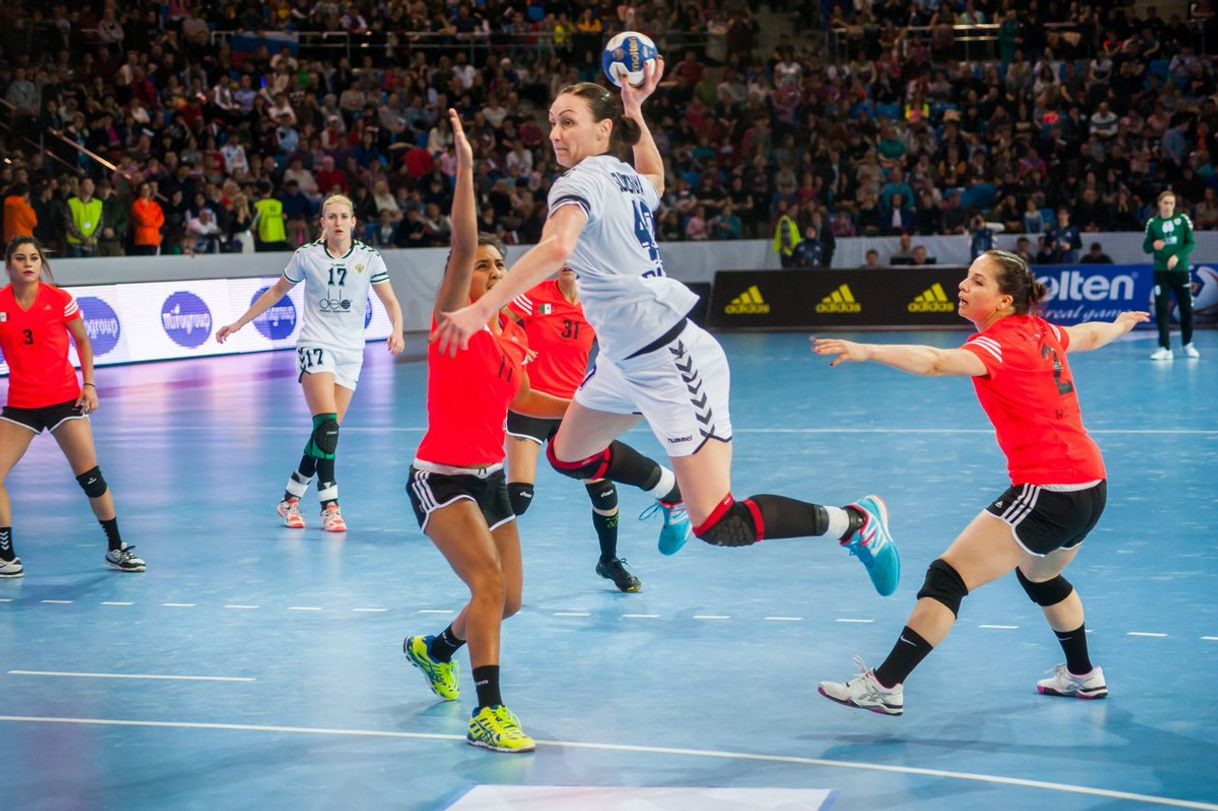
<point>625,56</point>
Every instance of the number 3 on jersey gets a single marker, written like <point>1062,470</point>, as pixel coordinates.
<point>644,229</point>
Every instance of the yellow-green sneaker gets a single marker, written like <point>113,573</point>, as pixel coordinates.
<point>441,676</point>
<point>497,728</point>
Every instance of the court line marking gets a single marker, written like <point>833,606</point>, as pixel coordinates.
<point>854,621</point>
<point>1000,627</point>
<point>711,617</point>
<point>1146,634</point>
<point>178,605</point>
<point>370,610</point>
<point>1019,782</point>
<point>240,607</point>
<point>640,616</point>
<point>56,602</point>
<point>116,602</point>
<point>153,676</point>
<point>572,614</point>
<point>784,619</point>
<point>6,599</point>
<point>304,608</point>
<point>1209,639</point>
<point>435,611</point>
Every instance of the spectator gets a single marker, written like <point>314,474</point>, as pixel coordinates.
<point>696,227</point>
<point>204,232</point>
<point>268,221</point>
<point>904,252</point>
<point>1021,250</point>
<point>726,224</point>
<point>383,231</point>
<point>20,219</point>
<point>1046,255</point>
<point>85,217</point>
<point>147,220</point>
<point>871,260</point>
<point>240,221</point>
<point>24,95</point>
<point>1064,239</point>
<point>115,221</point>
<point>297,209</point>
<point>920,256</point>
<point>51,213</point>
<point>981,235</point>
<point>1206,213</point>
<point>786,237</point>
<point>1096,256</point>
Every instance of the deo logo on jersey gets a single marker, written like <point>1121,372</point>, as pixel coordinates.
<point>334,305</point>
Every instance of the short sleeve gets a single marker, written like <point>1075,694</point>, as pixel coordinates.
<point>988,350</point>
<point>71,310</point>
<point>295,271</point>
<point>1062,336</point>
<point>522,308</point>
<point>650,194</point>
<point>581,188</point>
<point>378,270</point>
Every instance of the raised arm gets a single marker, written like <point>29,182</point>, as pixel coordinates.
<point>1094,334</point>
<point>454,289</point>
<point>927,361</point>
<point>647,159</point>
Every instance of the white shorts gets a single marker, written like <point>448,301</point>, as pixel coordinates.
<point>344,364</point>
<point>681,389</point>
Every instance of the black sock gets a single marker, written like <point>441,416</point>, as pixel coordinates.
<point>112,537</point>
<point>7,553</point>
<point>783,517</point>
<point>308,467</point>
<point>486,682</point>
<point>857,519</point>
<point>907,654</point>
<point>1074,644</point>
<point>444,645</point>
<point>603,495</point>
<point>325,480</point>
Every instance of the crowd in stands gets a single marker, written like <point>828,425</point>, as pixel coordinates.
<point>219,138</point>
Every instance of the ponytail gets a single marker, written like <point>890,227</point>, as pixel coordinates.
<point>1016,279</point>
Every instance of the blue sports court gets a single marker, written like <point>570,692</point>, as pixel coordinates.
<point>257,667</point>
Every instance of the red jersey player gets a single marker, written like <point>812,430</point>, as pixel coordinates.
<point>562,339</point>
<point>457,485</point>
<point>1058,485</point>
<point>43,392</point>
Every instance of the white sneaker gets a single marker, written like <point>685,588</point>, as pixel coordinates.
<point>11,568</point>
<point>289,511</point>
<point>1089,686</point>
<point>865,692</point>
<point>1190,351</point>
<point>1161,354</point>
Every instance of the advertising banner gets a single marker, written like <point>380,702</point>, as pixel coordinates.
<point>145,321</point>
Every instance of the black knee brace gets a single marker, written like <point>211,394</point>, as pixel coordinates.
<point>92,483</point>
<point>520,494</point>
<point>603,495</point>
<point>735,523</point>
<point>943,583</point>
<point>324,442</point>
<point>1047,593</point>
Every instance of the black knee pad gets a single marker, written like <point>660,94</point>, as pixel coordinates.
<point>943,583</point>
<point>1050,592</point>
<point>92,483</point>
<point>734,526</point>
<point>520,494</point>
<point>324,442</point>
<point>594,467</point>
<point>603,495</point>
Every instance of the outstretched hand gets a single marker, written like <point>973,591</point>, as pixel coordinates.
<point>1131,319</point>
<point>453,330</point>
<point>846,351</point>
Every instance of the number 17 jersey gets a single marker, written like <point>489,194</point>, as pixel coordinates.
<point>1028,394</point>
<point>625,294</point>
<point>336,292</point>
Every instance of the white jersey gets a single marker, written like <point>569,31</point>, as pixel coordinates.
<point>336,292</point>
<point>626,296</point>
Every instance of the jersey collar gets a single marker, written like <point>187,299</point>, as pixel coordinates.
<point>325,247</point>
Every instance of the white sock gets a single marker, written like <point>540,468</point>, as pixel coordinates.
<point>296,487</point>
<point>839,522</point>
<point>668,480</point>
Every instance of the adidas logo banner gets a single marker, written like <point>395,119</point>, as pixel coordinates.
<point>749,302</point>
<point>932,300</point>
<point>840,300</point>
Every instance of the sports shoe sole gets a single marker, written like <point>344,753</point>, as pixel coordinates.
<point>881,710</point>
<point>118,568</point>
<point>1095,696</point>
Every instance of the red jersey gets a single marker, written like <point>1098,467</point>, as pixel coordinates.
<point>468,397</point>
<point>1029,396</point>
<point>35,346</point>
<point>559,334</point>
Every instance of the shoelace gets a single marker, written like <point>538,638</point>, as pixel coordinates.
<point>673,513</point>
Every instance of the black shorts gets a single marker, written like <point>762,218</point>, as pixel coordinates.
<point>1045,521</point>
<point>48,417</point>
<point>534,428</point>
<point>431,491</point>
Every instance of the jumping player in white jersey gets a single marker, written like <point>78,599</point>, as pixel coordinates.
<point>337,271</point>
<point>653,361</point>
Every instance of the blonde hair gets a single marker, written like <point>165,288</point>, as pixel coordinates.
<point>338,198</point>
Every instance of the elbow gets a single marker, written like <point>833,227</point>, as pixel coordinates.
<point>558,249</point>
